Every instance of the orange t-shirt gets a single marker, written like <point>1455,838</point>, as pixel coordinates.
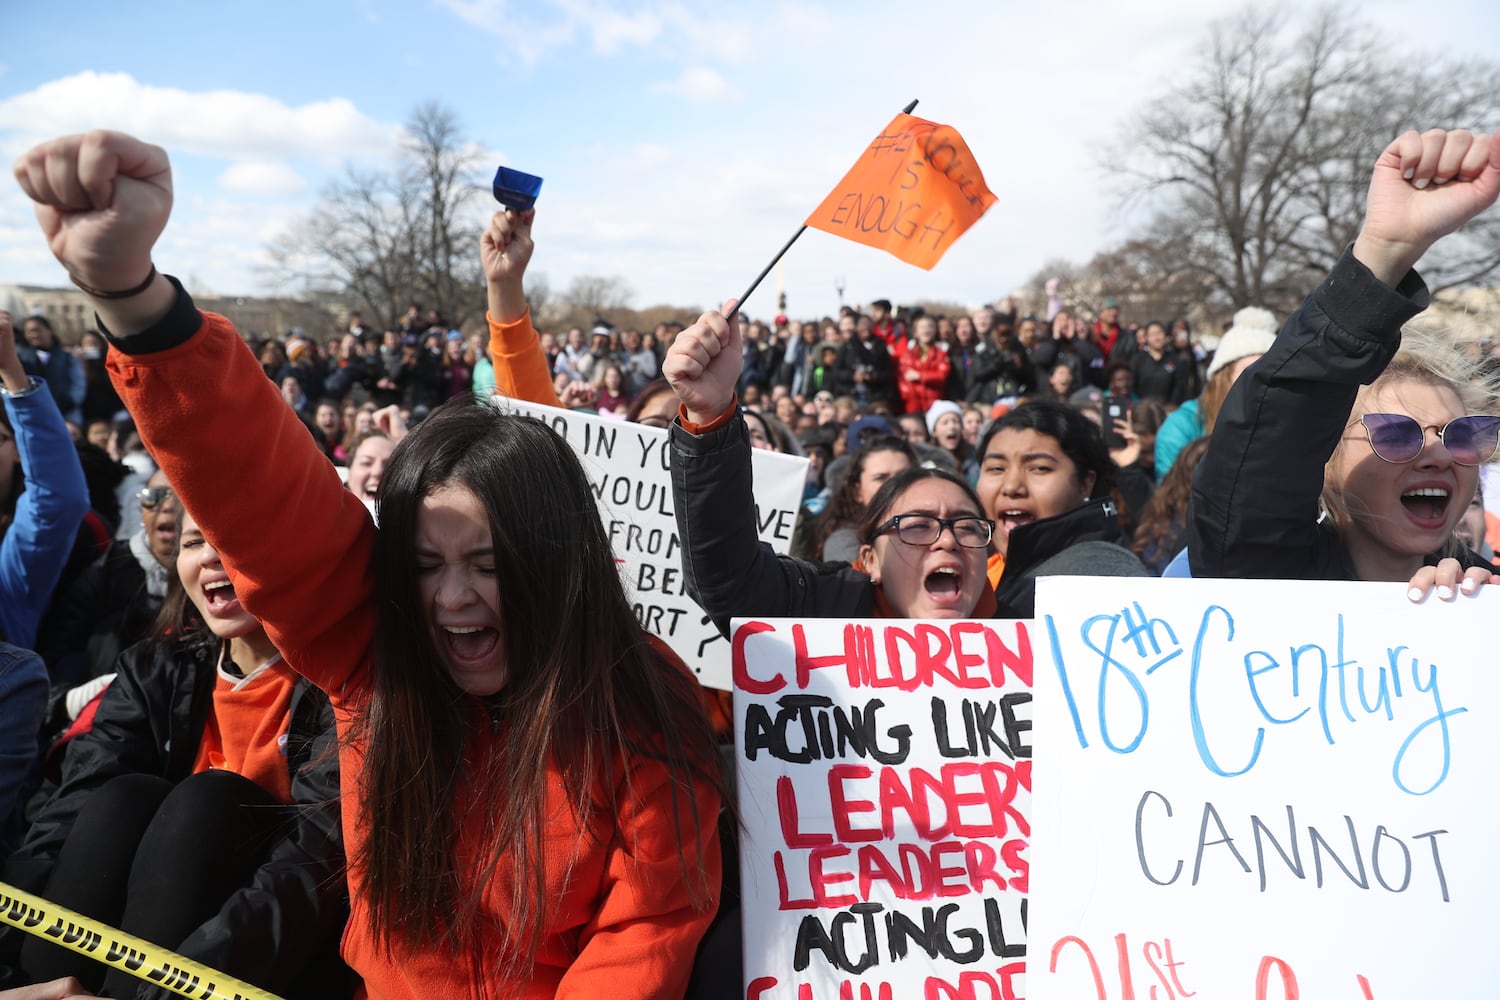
<point>995,569</point>
<point>247,727</point>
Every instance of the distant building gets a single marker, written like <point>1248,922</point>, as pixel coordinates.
<point>69,311</point>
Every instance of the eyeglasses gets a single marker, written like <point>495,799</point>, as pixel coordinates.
<point>152,496</point>
<point>822,397</point>
<point>923,529</point>
<point>1397,438</point>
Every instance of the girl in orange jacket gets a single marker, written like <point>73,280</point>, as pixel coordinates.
<point>534,788</point>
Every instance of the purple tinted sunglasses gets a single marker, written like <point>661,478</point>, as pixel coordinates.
<point>1397,438</point>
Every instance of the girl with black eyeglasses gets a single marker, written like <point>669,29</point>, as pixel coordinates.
<point>1346,452</point>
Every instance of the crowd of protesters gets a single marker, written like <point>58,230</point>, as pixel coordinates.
<point>205,634</point>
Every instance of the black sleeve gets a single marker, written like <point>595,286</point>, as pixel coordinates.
<point>176,327</point>
<point>339,381</point>
<point>841,376</point>
<point>129,734</point>
<point>881,362</point>
<point>1255,495</point>
<point>729,571</point>
<point>75,615</point>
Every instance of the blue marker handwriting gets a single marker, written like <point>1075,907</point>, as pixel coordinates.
<point>1129,656</point>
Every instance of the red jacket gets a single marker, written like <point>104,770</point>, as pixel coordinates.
<point>932,371</point>
<point>298,547</point>
<point>1105,337</point>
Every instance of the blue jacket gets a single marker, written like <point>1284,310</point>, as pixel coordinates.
<point>64,375</point>
<point>48,514</point>
<point>23,701</point>
<point>1181,428</point>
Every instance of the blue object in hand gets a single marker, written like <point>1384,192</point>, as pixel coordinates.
<point>515,189</point>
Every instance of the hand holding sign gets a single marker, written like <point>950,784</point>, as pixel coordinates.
<point>505,250</point>
<point>704,364</point>
<point>1423,188</point>
<point>1448,577</point>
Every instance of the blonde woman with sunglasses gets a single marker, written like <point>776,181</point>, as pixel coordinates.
<point>1344,453</point>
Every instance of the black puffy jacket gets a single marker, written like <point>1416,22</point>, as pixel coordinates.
<point>151,721</point>
<point>1254,511</point>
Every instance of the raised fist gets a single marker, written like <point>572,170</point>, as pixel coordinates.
<point>102,200</point>
<point>704,364</point>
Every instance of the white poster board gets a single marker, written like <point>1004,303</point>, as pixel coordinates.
<point>1263,790</point>
<point>884,773</point>
<point>628,466</point>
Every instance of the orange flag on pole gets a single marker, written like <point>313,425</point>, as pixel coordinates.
<point>913,192</point>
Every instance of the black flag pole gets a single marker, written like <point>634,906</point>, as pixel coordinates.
<point>785,247</point>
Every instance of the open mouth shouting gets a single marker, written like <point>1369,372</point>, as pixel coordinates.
<point>945,585</point>
<point>1011,518</point>
<point>219,598</point>
<point>1427,506</point>
<point>469,646</point>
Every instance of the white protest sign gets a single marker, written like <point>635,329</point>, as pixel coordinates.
<point>884,773</point>
<point>1263,789</point>
<point>629,468</point>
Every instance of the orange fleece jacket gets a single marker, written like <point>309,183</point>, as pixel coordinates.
<point>299,549</point>
<point>520,364</point>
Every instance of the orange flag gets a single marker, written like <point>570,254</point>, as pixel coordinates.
<point>913,192</point>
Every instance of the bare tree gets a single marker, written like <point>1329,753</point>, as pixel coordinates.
<point>1142,275</point>
<point>591,295</point>
<point>1257,163</point>
<point>439,167</point>
<point>388,237</point>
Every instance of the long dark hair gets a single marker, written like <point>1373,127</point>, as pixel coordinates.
<point>844,509</point>
<point>1164,518</point>
<point>587,690</point>
<point>178,620</point>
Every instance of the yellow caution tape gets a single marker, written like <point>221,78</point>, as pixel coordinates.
<point>148,962</point>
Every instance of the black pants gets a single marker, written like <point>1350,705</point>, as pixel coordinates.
<point>157,861</point>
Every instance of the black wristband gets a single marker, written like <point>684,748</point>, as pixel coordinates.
<point>128,293</point>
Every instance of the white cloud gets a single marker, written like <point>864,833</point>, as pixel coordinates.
<point>698,84</point>
<point>229,123</point>
<point>265,179</point>
<point>612,30</point>
<point>524,39</point>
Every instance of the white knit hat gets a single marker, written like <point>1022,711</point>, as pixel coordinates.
<point>1252,332</point>
<point>939,408</point>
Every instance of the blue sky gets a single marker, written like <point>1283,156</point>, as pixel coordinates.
<point>681,142</point>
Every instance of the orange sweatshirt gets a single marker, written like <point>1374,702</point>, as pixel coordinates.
<point>520,365</point>
<point>298,547</point>
<point>247,729</point>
